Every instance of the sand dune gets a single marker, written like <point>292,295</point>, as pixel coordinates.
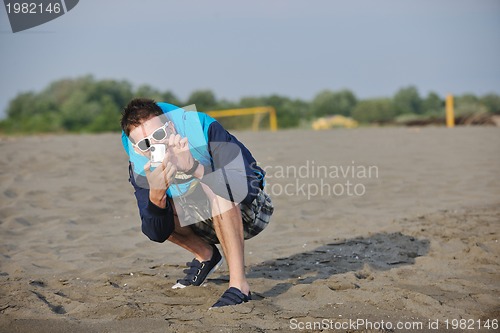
<point>420,243</point>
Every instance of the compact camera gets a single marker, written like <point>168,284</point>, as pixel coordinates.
<point>157,154</point>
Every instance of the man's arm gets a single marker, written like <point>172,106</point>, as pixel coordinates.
<point>157,223</point>
<point>240,180</point>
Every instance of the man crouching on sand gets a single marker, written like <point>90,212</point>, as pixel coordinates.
<point>200,195</point>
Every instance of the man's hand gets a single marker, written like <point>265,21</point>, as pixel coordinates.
<point>181,155</point>
<point>159,180</point>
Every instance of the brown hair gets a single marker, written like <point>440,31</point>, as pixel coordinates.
<point>137,111</point>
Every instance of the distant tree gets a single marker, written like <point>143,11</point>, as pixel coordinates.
<point>407,100</point>
<point>492,102</point>
<point>169,97</point>
<point>288,111</point>
<point>81,104</point>
<point>21,106</point>
<point>468,103</point>
<point>292,111</point>
<point>374,110</point>
<point>322,104</point>
<point>226,104</point>
<point>329,103</point>
<point>146,91</point>
<point>108,117</point>
<point>77,112</point>
<point>86,104</point>
<point>119,91</point>
<point>432,104</point>
<point>204,99</point>
<point>61,90</point>
<point>251,101</point>
<point>467,98</point>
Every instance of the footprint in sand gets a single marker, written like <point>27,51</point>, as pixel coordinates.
<point>11,193</point>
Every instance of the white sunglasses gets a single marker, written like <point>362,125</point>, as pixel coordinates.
<point>159,134</point>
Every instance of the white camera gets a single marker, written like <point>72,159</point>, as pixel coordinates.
<point>157,154</point>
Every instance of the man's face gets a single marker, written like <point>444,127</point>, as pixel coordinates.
<point>146,131</point>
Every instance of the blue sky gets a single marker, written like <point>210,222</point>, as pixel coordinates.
<point>295,47</point>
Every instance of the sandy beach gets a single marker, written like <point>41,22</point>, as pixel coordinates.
<point>399,225</point>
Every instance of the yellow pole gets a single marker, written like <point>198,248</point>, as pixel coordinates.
<point>450,118</point>
<point>256,121</point>
<point>273,120</point>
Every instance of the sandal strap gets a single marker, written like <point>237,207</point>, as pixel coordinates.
<point>197,272</point>
<point>232,296</point>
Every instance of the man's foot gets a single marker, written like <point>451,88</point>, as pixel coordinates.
<point>197,271</point>
<point>232,296</point>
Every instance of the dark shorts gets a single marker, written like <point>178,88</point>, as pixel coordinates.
<point>255,217</point>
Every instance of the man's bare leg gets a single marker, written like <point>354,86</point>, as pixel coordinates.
<point>229,229</point>
<point>187,239</point>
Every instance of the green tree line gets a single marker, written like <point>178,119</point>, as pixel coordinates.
<point>88,105</point>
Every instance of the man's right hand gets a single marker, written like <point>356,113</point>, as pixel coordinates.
<point>159,180</point>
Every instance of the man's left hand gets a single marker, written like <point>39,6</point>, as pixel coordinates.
<point>181,155</point>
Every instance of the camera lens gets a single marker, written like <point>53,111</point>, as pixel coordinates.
<point>153,148</point>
